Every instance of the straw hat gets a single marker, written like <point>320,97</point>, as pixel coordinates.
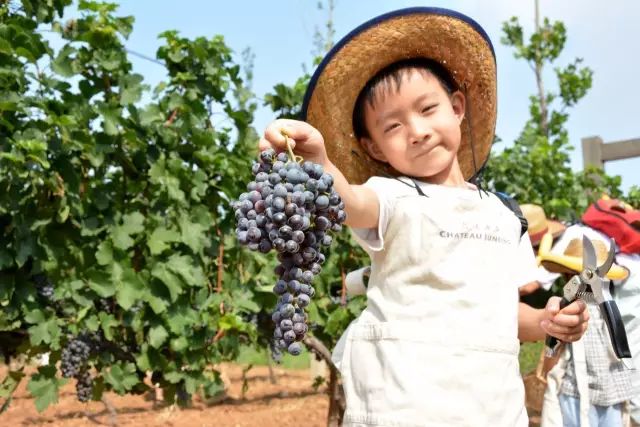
<point>539,224</point>
<point>570,261</point>
<point>452,39</point>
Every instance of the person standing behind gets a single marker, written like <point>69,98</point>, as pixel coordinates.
<point>621,222</point>
<point>591,386</point>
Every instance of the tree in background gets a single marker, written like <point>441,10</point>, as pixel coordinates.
<point>536,168</point>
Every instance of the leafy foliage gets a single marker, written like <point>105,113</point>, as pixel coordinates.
<point>120,205</point>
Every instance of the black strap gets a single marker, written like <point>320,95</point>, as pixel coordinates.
<point>418,189</point>
<point>513,206</point>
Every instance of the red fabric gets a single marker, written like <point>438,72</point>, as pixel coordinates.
<point>613,219</point>
<point>536,237</point>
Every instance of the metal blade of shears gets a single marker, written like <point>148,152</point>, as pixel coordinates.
<point>589,260</point>
<point>604,268</point>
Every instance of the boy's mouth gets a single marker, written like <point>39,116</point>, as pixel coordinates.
<point>426,148</point>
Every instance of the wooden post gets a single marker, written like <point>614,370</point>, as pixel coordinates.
<point>595,152</point>
<point>592,152</point>
<point>621,150</point>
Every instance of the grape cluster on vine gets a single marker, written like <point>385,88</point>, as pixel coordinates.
<point>290,207</point>
<point>44,286</point>
<point>84,385</point>
<point>74,362</point>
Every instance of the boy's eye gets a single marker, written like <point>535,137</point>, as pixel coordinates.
<point>428,108</point>
<point>391,127</point>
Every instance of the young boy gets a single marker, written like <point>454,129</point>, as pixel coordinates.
<point>438,341</point>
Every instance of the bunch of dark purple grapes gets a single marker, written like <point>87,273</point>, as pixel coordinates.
<point>74,363</point>
<point>290,207</point>
<point>44,286</point>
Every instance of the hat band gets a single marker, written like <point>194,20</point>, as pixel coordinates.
<point>539,234</point>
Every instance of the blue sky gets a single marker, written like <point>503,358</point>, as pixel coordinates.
<point>280,34</point>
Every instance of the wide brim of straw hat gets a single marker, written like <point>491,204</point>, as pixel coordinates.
<point>569,263</point>
<point>538,223</point>
<point>453,39</point>
<point>556,228</point>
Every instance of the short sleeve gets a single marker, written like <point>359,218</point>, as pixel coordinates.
<point>372,239</point>
<point>525,268</point>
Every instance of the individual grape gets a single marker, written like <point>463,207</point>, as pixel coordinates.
<point>322,223</point>
<point>280,287</point>
<point>299,328</point>
<point>297,236</point>
<point>267,156</point>
<point>294,286</point>
<point>326,240</point>
<point>286,298</point>
<point>307,276</point>
<point>286,325</point>
<point>276,317</point>
<point>294,348</point>
<point>292,246</point>
<point>303,300</point>
<point>287,310</point>
<point>289,336</point>
<point>277,333</point>
<point>322,202</point>
<point>307,290</point>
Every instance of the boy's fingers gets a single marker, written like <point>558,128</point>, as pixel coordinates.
<point>567,324</point>
<point>295,130</point>
<point>570,320</point>
<point>264,144</point>
<point>572,315</point>
<point>576,307</point>
<point>563,332</point>
<point>553,305</point>
<point>273,136</point>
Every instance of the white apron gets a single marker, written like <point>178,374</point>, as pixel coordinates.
<point>437,344</point>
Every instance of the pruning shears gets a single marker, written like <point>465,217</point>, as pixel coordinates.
<point>592,279</point>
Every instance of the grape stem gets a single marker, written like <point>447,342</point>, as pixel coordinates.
<point>293,157</point>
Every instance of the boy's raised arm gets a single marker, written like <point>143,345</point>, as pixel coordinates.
<point>361,203</point>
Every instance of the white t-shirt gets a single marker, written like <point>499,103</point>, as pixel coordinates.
<point>442,311</point>
<point>523,264</point>
<point>627,297</point>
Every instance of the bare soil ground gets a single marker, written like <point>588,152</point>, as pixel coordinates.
<point>290,402</point>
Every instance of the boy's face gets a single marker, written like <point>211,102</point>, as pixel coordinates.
<point>416,127</point>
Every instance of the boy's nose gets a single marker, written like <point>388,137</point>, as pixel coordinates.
<point>420,132</point>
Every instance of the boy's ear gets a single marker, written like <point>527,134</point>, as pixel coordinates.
<point>373,149</point>
<point>458,102</point>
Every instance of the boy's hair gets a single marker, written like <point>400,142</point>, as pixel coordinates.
<point>390,78</point>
